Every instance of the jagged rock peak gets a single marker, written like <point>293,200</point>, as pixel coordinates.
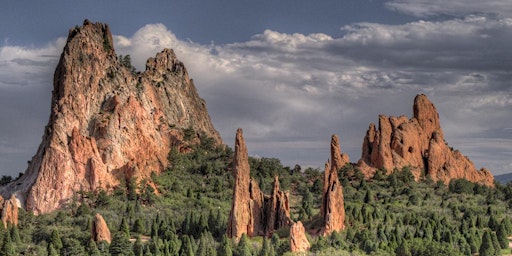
<point>426,114</point>
<point>252,212</point>
<point>109,123</point>
<point>333,205</point>
<point>100,231</point>
<point>298,240</point>
<point>418,144</point>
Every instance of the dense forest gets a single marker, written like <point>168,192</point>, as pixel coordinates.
<point>187,214</point>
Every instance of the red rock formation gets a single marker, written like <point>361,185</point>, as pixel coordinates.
<point>417,143</point>
<point>100,231</point>
<point>108,123</point>
<point>277,212</point>
<point>252,212</point>
<point>298,239</point>
<point>333,206</point>
<point>9,209</point>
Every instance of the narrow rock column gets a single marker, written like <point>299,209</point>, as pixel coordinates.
<point>298,239</point>
<point>333,206</point>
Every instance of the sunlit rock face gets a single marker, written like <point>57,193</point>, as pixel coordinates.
<point>417,143</point>
<point>108,123</point>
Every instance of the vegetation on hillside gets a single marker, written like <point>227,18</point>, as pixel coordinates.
<point>188,212</point>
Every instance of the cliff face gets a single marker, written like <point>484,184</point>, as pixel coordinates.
<point>418,143</point>
<point>107,122</point>
<point>252,212</point>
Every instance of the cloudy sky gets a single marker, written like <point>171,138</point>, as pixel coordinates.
<point>289,72</point>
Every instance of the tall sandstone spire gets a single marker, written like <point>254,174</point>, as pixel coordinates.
<point>107,122</point>
<point>252,212</point>
<point>417,143</point>
<point>333,206</point>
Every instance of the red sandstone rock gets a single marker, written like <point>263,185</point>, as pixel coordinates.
<point>298,239</point>
<point>252,212</point>
<point>333,207</point>
<point>100,231</point>
<point>9,209</point>
<point>277,212</point>
<point>108,124</point>
<point>419,144</point>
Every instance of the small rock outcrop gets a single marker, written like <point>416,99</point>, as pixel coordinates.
<point>417,143</point>
<point>252,212</point>
<point>100,231</point>
<point>333,206</point>
<point>109,123</point>
<point>9,210</point>
<point>298,240</point>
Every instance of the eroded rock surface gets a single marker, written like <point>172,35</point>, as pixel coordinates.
<point>9,211</point>
<point>417,143</point>
<point>298,239</point>
<point>252,212</point>
<point>333,206</point>
<point>100,231</point>
<point>109,123</point>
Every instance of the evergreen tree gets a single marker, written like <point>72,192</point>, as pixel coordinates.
<point>55,240</point>
<point>51,250</point>
<point>267,249</point>
<point>15,234</point>
<point>502,235</point>
<point>187,248</point>
<point>137,247</point>
<point>120,245</point>
<point>307,204</point>
<point>244,248</point>
<point>487,247</point>
<point>7,248</point>
<point>71,246</point>
<point>92,248</point>
<point>123,227</point>
<point>225,246</point>
<point>138,226</point>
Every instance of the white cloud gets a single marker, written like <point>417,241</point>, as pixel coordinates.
<point>290,92</point>
<point>424,8</point>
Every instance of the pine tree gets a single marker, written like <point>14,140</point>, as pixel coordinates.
<point>243,248</point>
<point>15,234</point>
<point>138,226</point>
<point>55,240</point>
<point>120,245</point>
<point>267,249</point>
<point>187,248</point>
<point>225,246</point>
<point>71,246</point>
<point>137,247</point>
<point>92,248</point>
<point>487,247</point>
<point>123,227</point>
<point>502,235</point>
<point>51,250</point>
<point>7,248</point>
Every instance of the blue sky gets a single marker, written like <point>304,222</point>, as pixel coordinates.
<point>290,73</point>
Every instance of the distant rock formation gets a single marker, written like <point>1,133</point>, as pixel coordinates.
<point>109,123</point>
<point>298,240</point>
<point>333,206</point>
<point>252,212</point>
<point>9,210</point>
<point>417,143</point>
<point>100,231</point>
